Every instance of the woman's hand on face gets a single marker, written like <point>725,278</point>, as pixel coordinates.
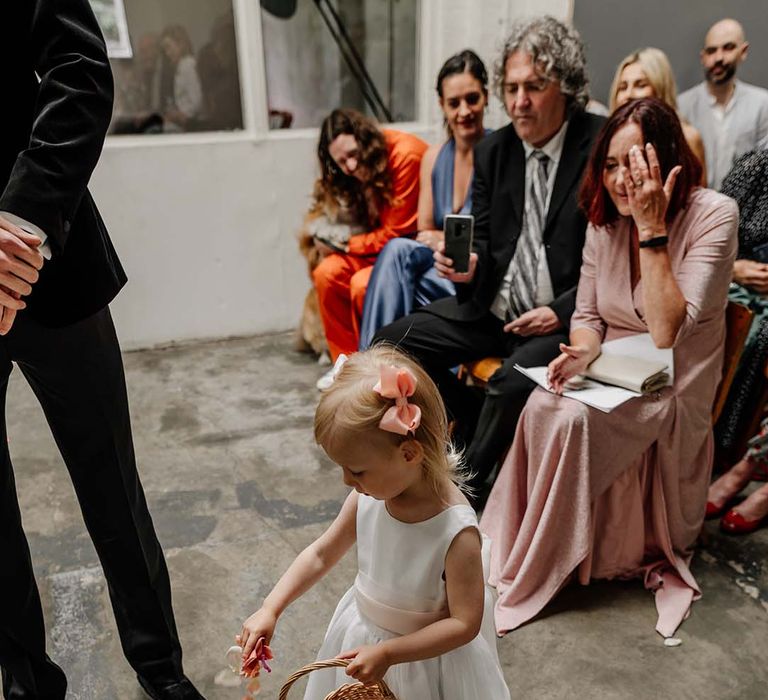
<point>444,266</point>
<point>648,196</point>
<point>574,360</point>
<point>752,274</point>
<point>431,238</point>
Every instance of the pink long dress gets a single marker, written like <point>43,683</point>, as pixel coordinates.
<point>619,494</point>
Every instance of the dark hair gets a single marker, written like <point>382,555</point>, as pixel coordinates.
<point>660,126</point>
<point>363,198</point>
<point>466,61</point>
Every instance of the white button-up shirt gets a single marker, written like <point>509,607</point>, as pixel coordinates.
<point>728,131</point>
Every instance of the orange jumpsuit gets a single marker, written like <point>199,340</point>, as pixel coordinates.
<point>342,278</point>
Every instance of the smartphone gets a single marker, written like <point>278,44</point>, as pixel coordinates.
<point>458,230</point>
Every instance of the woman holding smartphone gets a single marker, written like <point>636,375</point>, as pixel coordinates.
<point>404,275</point>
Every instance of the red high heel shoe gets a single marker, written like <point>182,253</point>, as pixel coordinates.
<point>734,523</point>
<point>714,511</point>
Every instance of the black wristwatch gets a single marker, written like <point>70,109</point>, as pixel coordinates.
<point>655,242</point>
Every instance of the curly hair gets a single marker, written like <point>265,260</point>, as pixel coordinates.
<point>351,411</point>
<point>363,199</point>
<point>557,52</point>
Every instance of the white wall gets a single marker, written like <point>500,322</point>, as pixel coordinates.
<point>206,225</point>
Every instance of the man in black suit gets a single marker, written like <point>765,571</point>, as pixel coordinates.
<point>518,296</point>
<point>56,326</point>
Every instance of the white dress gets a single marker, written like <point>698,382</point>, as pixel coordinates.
<point>399,589</point>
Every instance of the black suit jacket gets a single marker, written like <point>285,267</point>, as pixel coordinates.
<point>498,197</point>
<point>52,135</point>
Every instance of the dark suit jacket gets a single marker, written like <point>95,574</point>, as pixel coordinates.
<point>52,135</point>
<point>498,196</point>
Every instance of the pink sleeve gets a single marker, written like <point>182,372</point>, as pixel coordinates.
<point>706,269</point>
<point>586,314</point>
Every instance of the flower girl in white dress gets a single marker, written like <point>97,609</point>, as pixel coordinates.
<point>419,614</point>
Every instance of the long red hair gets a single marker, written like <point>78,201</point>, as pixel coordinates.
<point>660,126</point>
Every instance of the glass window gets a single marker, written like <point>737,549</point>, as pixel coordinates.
<point>323,54</point>
<point>175,65</point>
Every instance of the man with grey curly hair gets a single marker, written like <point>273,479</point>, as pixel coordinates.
<point>556,50</point>
<point>516,300</point>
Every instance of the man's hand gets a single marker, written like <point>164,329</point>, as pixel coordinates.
<point>444,266</point>
<point>20,262</point>
<point>369,663</point>
<point>20,259</point>
<point>539,321</point>
<point>752,274</point>
<point>8,314</point>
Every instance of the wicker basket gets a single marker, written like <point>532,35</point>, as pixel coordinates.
<point>349,691</point>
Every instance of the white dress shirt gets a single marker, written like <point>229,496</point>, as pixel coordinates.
<point>728,131</point>
<point>544,292</point>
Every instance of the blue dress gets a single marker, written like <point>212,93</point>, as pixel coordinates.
<point>404,275</point>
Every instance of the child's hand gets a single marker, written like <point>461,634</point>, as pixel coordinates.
<point>369,663</point>
<point>260,624</point>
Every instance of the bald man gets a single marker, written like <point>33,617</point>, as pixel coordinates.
<point>732,116</point>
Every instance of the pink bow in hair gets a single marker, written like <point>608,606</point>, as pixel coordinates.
<point>398,383</point>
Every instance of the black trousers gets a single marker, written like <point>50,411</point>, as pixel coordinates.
<point>76,373</point>
<point>486,424</point>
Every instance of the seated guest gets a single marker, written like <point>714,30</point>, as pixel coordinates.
<point>647,73</point>
<point>517,298</point>
<point>747,183</point>
<point>404,272</point>
<point>620,494</point>
<point>752,512</point>
<point>376,171</point>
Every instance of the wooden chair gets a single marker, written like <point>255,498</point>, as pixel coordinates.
<point>738,319</point>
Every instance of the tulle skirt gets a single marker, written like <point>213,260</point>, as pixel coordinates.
<point>471,672</point>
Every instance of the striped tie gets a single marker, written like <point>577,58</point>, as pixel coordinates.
<point>522,290</point>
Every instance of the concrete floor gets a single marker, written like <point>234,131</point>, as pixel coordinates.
<point>237,488</point>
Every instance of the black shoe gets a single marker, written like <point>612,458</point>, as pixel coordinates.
<point>178,690</point>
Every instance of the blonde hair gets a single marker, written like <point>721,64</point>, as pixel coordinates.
<point>351,408</point>
<point>657,69</point>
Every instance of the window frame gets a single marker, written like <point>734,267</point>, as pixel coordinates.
<point>253,86</point>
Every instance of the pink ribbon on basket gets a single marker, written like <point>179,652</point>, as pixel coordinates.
<point>398,383</point>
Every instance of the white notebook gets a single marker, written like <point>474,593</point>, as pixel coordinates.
<point>603,396</point>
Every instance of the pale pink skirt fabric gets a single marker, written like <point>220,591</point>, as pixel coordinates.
<point>605,495</point>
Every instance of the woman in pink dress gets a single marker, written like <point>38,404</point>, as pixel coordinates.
<point>622,494</point>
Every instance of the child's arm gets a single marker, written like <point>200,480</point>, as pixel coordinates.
<point>466,590</point>
<point>308,568</point>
